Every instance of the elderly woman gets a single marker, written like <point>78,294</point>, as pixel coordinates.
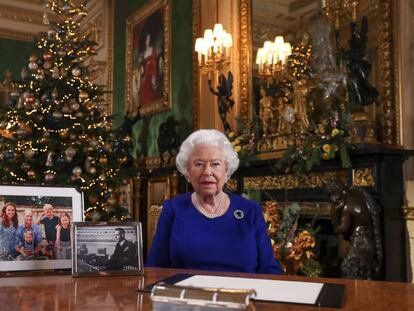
<point>209,229</point>
<point>8,228</point>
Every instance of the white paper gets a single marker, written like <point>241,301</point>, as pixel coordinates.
<point>268,290</point>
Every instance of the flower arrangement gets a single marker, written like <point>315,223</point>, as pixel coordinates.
<point>327,140</point>
<point>243,141</point>
<point>293,247</point>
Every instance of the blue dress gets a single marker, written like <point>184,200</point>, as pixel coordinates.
<point>7,241</point>
<point>236,241</point>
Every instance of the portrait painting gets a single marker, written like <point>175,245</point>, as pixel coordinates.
<point>35,227</point>
<point>107,248</point>
<point>148,59</point>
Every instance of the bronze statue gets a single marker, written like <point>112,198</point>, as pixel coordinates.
<point>168,140</point>
<point>360,92</point>
<point>223,93</point>
<point>354,215</point>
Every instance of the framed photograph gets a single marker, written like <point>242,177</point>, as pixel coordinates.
<point>148,53</point>
<point>126,199</point>
<point>107,248</point>
<point>35,228</point>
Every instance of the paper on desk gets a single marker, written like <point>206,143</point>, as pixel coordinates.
<point>268,290</point>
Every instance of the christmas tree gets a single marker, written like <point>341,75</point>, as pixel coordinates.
<point>57,129</point>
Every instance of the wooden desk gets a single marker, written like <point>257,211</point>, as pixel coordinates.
<point>62,292</point>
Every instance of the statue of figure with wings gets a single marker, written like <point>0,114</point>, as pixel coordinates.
<point>361,92</point>
<point>223,93</point>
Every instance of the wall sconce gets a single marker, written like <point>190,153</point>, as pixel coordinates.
<point>272,57</point>
<point>213,50</point>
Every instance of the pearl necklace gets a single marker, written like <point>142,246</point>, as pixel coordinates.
<point>216,213</point>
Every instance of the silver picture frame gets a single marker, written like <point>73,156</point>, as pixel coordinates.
<point>107,248</point>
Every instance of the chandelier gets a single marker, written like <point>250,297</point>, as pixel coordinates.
<point>336,10</point>
<point>272,57</point>
<point>213,50</point>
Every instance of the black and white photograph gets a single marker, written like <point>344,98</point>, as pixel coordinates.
<point>35,228</point>
<point>107,248</point>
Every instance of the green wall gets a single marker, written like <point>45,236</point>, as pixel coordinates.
<point>146,129</point>
<point>14,55</point>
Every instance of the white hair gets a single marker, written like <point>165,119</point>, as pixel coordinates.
<point>210,138</point>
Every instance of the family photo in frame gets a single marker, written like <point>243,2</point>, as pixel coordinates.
<point>107,248</point>
<point>148,59</point>
<point>35,228</point>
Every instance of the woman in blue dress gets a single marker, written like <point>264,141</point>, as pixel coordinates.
<point>8,228</point>
<point>210,229</point>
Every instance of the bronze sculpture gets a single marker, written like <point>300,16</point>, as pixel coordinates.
<point>168,139</point>
<point>354,215</point>
<point>360,91</point>
<point>224,101</point>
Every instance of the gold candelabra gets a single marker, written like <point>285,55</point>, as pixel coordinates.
<point>213,50</point>
<point>337,10</point>
<point>272,58</point>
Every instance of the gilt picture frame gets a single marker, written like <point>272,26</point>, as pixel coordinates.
<point>148,54</point>
<point>35,219</point>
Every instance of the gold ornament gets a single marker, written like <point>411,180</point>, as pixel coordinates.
<point>93,143</point>
<point>127,139</point>
<point>90,106</point>
<point>74,105</point>
<point>76,72</point>
<point>55,73</point>
<point>29,153</point>
<point>64,134</point>
<point>122,160</point>
<point>66,109</point>
<point>103,160</point>
<point>83,95</point>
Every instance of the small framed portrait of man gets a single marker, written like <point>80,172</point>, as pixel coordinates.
<point>107,248</point>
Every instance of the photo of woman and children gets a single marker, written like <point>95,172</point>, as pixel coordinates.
<point>40,231</point>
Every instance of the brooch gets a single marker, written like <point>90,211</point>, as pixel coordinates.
<point>238,214</point>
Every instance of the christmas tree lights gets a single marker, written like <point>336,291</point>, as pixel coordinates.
<point>57,129</point>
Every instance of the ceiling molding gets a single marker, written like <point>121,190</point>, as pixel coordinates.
<point>15,35</point>
<point>21,15</point>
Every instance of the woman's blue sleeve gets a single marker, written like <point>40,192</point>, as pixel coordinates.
<point>159,255</point>
<point>267,263</point>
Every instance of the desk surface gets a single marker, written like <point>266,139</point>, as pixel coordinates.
<point>62,292</point>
